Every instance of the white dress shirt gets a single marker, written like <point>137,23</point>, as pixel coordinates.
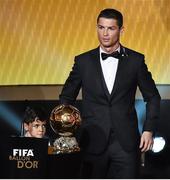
<point>109,69</point>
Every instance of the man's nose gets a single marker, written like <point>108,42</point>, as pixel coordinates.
<point>105,33</point>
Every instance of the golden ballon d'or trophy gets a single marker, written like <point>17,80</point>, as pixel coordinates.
<point>64,120</point>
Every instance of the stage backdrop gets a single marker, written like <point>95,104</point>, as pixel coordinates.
<point>39,38</point>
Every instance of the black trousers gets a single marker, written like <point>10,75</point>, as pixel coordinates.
<point>113,163</point>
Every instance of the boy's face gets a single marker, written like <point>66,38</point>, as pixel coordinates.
<point>35,129</point>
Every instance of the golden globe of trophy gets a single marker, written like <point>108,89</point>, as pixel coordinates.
<point>64,120</point>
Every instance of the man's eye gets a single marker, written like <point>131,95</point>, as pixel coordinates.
<point>100,27</point>
<point>111,28</point>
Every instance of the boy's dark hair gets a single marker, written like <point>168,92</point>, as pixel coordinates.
<point>34,112</point>
<point>111,14</point>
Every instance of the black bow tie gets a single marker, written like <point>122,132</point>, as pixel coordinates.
<point>115,54</point>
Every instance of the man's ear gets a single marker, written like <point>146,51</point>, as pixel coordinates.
<point>25,126</point>
<point>121,30</point>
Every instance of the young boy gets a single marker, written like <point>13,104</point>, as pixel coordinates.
<point>34,122</point>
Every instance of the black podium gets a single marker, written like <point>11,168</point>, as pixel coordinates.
<point>23,157</point>
<point>26,158</point>
<point>65,166</point>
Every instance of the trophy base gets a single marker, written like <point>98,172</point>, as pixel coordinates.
<point>64,145</point>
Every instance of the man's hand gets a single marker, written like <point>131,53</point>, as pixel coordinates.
<point>146,141</point>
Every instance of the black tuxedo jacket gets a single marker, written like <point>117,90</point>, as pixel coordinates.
<point>102,112</point>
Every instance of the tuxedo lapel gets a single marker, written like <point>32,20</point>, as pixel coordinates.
<point>100,76</point>
<point>120,70</point>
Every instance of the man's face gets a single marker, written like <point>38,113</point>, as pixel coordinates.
<point>35,129</point>
<point>108,32</point>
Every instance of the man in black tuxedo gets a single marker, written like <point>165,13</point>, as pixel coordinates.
<point>109,76</point>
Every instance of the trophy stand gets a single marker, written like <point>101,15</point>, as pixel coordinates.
<point>65,144</point>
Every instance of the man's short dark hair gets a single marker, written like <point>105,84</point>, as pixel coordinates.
<point>34,112</point>
<point>111,14</point>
